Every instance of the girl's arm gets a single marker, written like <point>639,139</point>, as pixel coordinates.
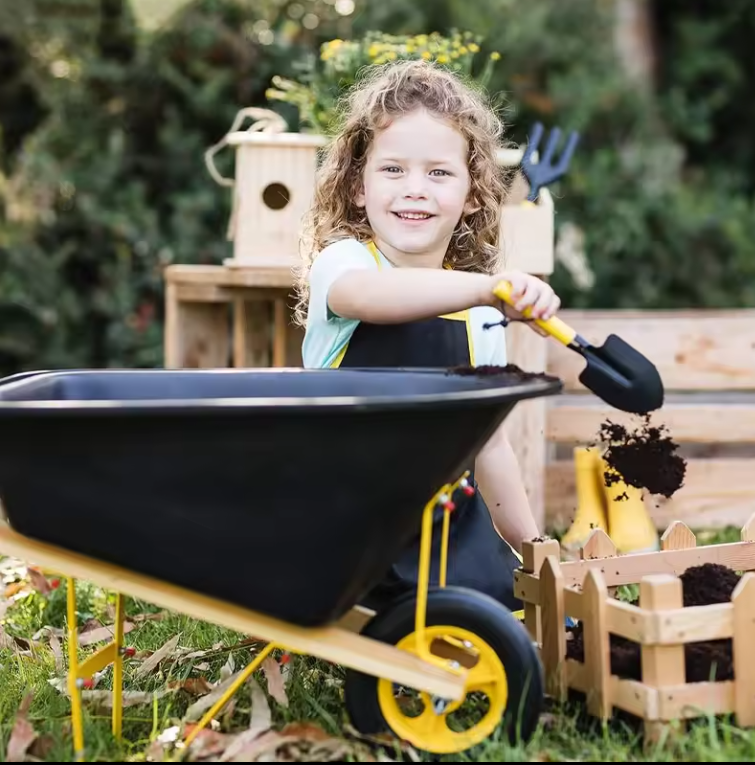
<point>399,295</point>
<point>500,482</point>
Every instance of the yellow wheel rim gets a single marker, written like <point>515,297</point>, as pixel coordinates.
<point>429,731</point>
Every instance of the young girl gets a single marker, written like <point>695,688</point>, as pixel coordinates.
<point>405,230</point>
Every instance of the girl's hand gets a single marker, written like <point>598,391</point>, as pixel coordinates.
<point>527,291</point>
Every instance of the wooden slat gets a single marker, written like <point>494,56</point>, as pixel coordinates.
<point>716,493</point>
<point>579,423</point>
<point>636,567</point>
<point>693,350</point>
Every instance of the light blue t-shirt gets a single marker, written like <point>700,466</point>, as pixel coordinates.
<point>327,334</point>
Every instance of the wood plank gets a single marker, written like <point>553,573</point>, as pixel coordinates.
<point>693,350</point>
<point>716,493</point>
<point>579,423</point>
<point>330,643</point>
<point>274,277</point>
<point>636,567</point>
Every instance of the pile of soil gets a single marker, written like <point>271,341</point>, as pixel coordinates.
<point>708,660</point>
<point>512,371</point>
<point>645,457</point>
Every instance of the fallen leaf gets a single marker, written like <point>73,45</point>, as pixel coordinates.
<point>39,581</point>
<point>57,652</point>
<point>306,732</point>
<point>197,686</point>
<point>161,653</point>
<point>42,747</point>
<point>208,744</point>
<point>227,669</point>
<point>104,698</point>
<point>261,718</point>
<point>158,616</point>
<point>99,634</point>
<point>22,736</point>
<point>195,711</point>
<point>275,683</point>
<point>14,588</point>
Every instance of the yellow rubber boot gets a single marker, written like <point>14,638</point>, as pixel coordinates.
<point>591,512</point>
<point>629,523</point>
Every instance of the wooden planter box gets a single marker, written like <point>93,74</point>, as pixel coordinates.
<point>659,625</point>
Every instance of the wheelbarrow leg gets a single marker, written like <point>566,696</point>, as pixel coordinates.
<point>223,700</point>
<point>118,668</point>
<point>74,689</point>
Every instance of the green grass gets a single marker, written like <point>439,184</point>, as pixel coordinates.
<point>31,664</point>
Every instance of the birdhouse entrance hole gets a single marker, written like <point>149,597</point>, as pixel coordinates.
<point>276,196</point>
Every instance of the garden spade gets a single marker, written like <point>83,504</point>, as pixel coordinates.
<point>615,372</point>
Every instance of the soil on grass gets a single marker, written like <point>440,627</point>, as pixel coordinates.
<point>644,457</point>
<point>515,374</point>
<point>709,660</point>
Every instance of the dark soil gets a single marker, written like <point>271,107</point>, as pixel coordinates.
<point>709,660</point>
<point>644,457</point>
<point>512,371</point>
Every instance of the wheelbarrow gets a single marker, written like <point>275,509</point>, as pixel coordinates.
<point>100,468</point>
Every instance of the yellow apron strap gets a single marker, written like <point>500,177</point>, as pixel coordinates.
<point>372,247</point>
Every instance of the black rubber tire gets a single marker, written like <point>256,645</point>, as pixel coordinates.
<point>472,611</point>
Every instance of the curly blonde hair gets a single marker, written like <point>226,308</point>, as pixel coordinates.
<point>382,93</point>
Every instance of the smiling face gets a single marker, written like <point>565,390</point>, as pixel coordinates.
<point>415,188</point>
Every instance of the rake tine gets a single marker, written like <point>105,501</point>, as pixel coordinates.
<point>532,143</point>
<point>571,145</point>
<point>550,148</point>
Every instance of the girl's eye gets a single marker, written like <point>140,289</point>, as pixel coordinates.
<point>392,168</point>
<point>442,172</point>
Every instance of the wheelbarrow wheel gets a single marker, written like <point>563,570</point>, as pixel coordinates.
<point>480,634</point>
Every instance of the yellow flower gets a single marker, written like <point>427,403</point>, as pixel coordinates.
<point>442,59</point>
<point>495,55</point>
<point>474,47</point>
<point>426,54</point>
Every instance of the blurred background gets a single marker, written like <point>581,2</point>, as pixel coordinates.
<point>108,106</point>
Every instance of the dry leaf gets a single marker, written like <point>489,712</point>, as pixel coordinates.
<point>42,747</point>
<point>276,685</point>
<point>197,686</point>
<point>57,652</point>
<point>22,736</point>
<point>99,634</point>
<point>14,588</point>
<point>197,709</point>
<point>150,664</point>
<point>130,698</point>
<point>39,581</point>
<point>261,718</point>
<point>207,745</point>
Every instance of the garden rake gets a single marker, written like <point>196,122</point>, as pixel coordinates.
<point>545,171</point>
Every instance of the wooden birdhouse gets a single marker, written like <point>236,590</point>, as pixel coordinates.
<point>275,180</point>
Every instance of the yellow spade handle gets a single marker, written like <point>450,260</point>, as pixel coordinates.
<point>553,326</point>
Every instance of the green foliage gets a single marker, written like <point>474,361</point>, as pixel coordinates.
<point>321,82</point>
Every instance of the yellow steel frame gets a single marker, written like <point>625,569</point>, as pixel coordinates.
<point>340,643</point>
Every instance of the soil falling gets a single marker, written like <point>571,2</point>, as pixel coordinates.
<point>644,457</point>
<point>708,660</point>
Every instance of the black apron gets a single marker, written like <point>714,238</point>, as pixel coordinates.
<point>478,558</point>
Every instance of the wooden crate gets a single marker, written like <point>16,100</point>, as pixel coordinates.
<point>707,361</point>
<point>582,589</point>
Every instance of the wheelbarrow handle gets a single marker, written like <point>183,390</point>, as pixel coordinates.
<point>553,326</point>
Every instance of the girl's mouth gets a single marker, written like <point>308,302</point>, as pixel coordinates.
<point>413,215</point>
